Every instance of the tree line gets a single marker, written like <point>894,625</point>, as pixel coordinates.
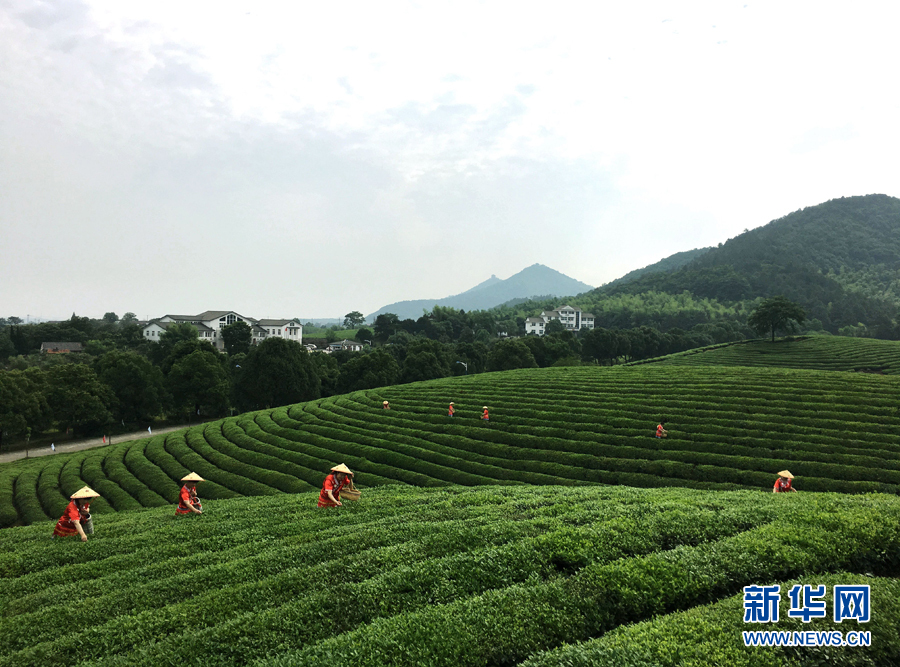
<point>123,379</point>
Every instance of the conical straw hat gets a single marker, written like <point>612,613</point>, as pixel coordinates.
<point>786,473</point>
<point>193,477</point>
<point>85,492</point>
<point>342,468</point>
<point>484,407</point>
<point>384,402</point>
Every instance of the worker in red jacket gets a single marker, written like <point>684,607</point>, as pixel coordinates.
<point>451,412</point>
<point>77,517</point>
<point>188,502</point>
<point>484,415</point>
<point>330,495</point>
<point>783,483</point>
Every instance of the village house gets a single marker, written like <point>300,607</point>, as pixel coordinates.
<point>573,319</point>
<point>349,345</point>
<point>210,323</point>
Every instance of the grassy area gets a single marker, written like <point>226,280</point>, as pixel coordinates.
<point>494,575</point>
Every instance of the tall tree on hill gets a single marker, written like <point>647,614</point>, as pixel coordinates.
<point>354,319</point>
<point>775,313</point>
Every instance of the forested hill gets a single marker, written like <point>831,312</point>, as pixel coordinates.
<point>840,260</point>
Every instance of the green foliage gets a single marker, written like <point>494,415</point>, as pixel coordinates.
<point>776,313</point>
<point>276,372</point>
<point>368,371</point>
<point>426,360</point>
<point>137,384</point>
<point>354,320</point>
<point>237,337</point>
<point>199,383</point>
<point>77,398</point>
<point>509,354</point>
<point>451,576</point>
<point>23,402</point>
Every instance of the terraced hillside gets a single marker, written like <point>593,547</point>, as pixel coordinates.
<point>450,577</point>
<point>826,353</point>
<point>730,428</point>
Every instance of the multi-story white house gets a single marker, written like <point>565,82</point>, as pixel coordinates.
<point>210,323</point>
<point>573,319</point>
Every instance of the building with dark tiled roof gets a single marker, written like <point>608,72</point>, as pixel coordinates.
<point>210,323</point>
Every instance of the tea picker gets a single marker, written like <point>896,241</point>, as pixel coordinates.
<point>77,517</point>
<point>188,501</point>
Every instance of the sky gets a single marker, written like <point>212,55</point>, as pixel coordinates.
<point>308,159</point>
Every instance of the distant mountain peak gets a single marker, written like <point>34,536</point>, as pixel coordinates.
<point>535,280</point>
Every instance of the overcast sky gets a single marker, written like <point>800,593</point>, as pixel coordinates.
<point>301,159</point>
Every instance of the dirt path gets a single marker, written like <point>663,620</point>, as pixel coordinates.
<point>87,443</point>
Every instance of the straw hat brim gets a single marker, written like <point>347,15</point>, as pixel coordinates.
<point>342,468</point>
<point>786,473</point>
<point>193,477</point>
<point>84,492</point>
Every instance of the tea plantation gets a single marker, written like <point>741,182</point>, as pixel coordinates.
<point>729,428</point>
<point>454,576</point>
<point>827,353</point>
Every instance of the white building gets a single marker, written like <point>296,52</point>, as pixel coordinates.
<point>210,323</point>
<point>350,345</point>
<point>573,319</point>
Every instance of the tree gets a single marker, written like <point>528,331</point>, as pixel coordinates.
<point>775,313</point>
<point>385,326</point>
<point>77,398</point>
<point>137,384</point>
<point>129,318</point>
<point>110,318</point>
<point>23,403</point>
<point>426,360</point>
<point>364,335</point>
<point>169,338</point>
<point>198,382</point>
<point>237,338</point>
<point>368,371</point>
<point>12,319</point>
<point>354,319</point>
<point>7,348</point>
<point>509,354</point>
<point>554,326</point>
<point>328,369</point>
<point>276,372</point>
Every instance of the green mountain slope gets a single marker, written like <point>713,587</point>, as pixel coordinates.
<point>444,577</point>
<point>840,260</point>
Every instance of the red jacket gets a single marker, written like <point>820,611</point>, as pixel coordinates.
<point>783,485</point>
<point>65,527</point>
<point>330,484</point>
